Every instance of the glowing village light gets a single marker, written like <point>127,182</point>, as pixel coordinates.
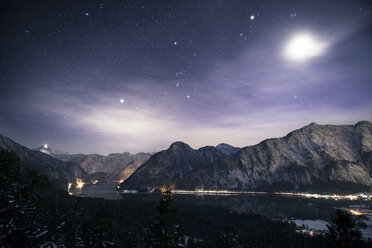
<point>352,197</point>
<point>79,183</point>
<point>355,212</point>
<point>294,194</point>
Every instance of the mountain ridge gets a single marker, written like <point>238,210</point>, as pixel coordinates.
<point>113,167</point>
<point>178,160</point>
<point>304,158</point>
<point>309,157</point>
<point>57,171</point>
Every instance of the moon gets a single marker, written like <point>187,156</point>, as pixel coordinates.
<point>302,47</point>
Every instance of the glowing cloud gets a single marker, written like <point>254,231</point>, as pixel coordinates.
<point>303,46</point>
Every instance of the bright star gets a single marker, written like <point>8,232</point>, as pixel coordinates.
<point>252,17</point>
<point>175,43</point>
<point>303,46</point>
<point>122,100</point>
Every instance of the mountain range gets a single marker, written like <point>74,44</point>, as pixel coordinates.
<point>315,157</point>
<point>113,167</point>
<point>58,172</point>
<point>63,168</point>
<point>173,164</point>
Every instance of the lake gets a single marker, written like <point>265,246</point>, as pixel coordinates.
<point>311,211</point>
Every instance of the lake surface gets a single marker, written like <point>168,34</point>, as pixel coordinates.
<point>314,213</point>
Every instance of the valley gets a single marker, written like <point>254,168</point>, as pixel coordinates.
<point>299,181</point>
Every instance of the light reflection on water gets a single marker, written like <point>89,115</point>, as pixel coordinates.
<point>282,205</point>
<point>352,197</point>
<point>290,206</point>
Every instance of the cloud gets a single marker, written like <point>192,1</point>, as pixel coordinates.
<point>147,127</point>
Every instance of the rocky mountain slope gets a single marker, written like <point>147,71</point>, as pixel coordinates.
<point>121,174</point>
<point>315,157</point>
<point>113,167</point>
<point>325,157</point>
<point>93,163</point>
<point>57,171</point>
<point>227,149</point>
<point>171,165</point>
<point>48,150</point>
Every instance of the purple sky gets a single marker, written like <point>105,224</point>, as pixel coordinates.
<point>203,72</point>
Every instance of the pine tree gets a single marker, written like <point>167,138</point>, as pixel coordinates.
<point>20,221</point>
<point>343,232</point>
<point>72,230</point>
<point>165,233</point>
<point>102,228</point>
<point>233,240</point>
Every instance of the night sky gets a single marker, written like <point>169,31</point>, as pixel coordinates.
<point>115,76</point>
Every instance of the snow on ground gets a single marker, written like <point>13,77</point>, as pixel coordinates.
<point>319,225</point>
<point>367,233</point>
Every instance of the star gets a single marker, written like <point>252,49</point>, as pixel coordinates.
<point>235,64</point>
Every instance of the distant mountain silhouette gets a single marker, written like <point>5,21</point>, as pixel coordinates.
<point>114,167</point>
